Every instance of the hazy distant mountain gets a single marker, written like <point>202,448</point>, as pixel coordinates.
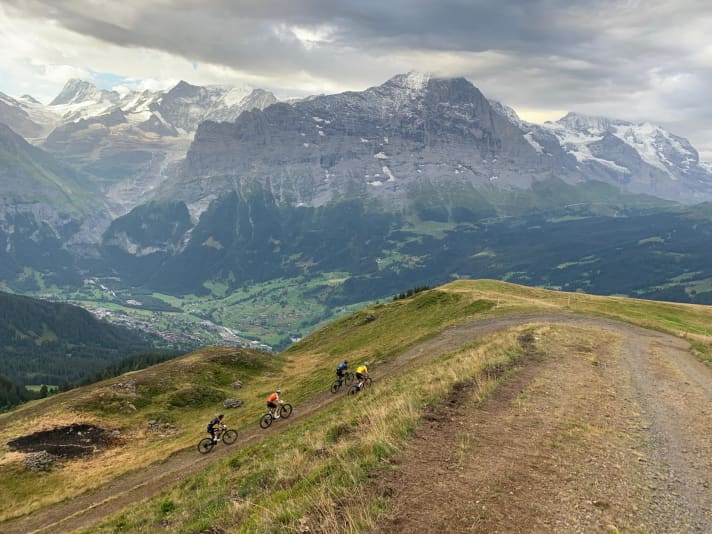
<point>127,140</point>
<point>636,157</point>
<point>46,208</point>
<point>24,116</point>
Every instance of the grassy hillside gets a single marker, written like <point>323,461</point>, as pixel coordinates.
<point>313,469</point>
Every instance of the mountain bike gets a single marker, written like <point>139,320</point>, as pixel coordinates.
<point>285,410</point>
<point>367,383</point>
<point>228,436</point>
<point>347,379</point>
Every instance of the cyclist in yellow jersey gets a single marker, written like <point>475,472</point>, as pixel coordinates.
<point>361,374</point>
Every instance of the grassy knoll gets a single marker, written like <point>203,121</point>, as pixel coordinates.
<point>317,463</point>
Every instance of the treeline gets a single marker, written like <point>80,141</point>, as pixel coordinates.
<point>12,394</point>
<point>410,292</point>
<point>53,343</point>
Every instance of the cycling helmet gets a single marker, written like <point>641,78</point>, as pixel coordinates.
<point>365,363</point>
<point>221,416</point>
<point>346,362</point>
<point>279,392</point>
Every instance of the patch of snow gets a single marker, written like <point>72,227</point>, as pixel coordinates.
<point>642,138</point>
<point>197,208</point>
<point>387,171</point>
<point>234,96</point>
<point>385,140</point>
<point>306,145</point>
<point>530,139</point>
<point>321,133</point>
<point>416,81</point>
<point>317,119</point>
<point>375,183</point>
<point>380,155</point>
<point>364,140</point>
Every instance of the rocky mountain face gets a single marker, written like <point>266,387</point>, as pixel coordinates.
<point>417,137</point>
<point>388,145</point>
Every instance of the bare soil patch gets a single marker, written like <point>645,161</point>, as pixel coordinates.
<point>73,441</point>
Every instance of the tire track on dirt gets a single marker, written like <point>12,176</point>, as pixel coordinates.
<point>91,507</point>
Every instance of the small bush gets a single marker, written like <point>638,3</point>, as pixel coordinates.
<point>167,507</point>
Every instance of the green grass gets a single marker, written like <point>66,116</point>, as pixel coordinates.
<point>314,470</point>
<point>317,462</point>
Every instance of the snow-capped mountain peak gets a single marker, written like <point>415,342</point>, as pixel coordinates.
<point>411,84</point>
<point>585,123</point>
<point>77,91</point>
<point>584,136</point>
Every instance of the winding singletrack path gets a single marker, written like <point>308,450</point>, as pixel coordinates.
<point>668,384</point>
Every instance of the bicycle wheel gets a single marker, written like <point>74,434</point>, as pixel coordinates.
<point>349,378</point>
<point>367,382</point>
<point>285,411</point>
<point>336,386</point>
<point>206,445</point>
<point>229,436</point>
<point>353,390</point>
<point>266,420</point>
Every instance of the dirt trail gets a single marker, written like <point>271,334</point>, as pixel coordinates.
<point>91,507</point>
<point>580,439</point>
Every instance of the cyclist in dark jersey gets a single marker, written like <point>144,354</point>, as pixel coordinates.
<point>215,423</point>
<point>341,370</point>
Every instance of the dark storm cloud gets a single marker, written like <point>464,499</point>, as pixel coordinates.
<point>255,35</point>
<point>627,56</point>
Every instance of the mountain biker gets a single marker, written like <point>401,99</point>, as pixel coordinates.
<point>361,374</point>
<point>272,401</point>
<point>216,422</point>
<point>341,370</point>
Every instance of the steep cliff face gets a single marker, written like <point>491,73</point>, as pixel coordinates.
<point>413,133</point>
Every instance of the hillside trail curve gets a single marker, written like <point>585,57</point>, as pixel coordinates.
<point>659,397</point>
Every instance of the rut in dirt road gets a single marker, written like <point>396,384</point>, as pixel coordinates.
<point>579,440</point>
<point>90,508</point>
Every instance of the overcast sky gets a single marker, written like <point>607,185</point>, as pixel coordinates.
<point>632,59</point>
